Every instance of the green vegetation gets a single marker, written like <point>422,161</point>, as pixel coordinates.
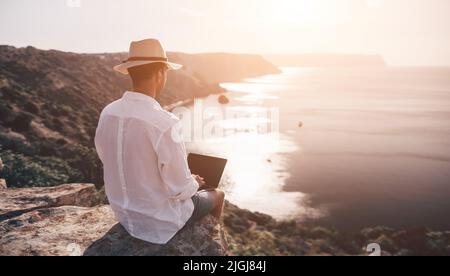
<point>23,171</point>
<point>47,163</point>
<point>258,234</point>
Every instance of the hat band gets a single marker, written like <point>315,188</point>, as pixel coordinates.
<point>147,59</point>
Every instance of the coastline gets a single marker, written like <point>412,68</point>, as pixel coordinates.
<point>46,138</point>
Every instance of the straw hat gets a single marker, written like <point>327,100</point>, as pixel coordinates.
<point>145,52</point>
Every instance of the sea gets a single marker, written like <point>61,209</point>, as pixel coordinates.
<point>342,147</point>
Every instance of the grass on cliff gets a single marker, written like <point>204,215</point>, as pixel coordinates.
<point>251,234</point>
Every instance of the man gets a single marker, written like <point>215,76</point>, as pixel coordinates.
<point>147,179</point>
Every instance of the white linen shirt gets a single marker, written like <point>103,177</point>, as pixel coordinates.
<point>147,179</point>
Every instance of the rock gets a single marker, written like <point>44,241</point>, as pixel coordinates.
<point>3,184</point>
<point>375,232</point>
<point>2,181</point>
<point>16,202</point>
<point>75,231</point>
<point>205,238</point>
<point>33,225</point>
<point>61,231</point>
<point>223,99</point>
<point>414,238</point>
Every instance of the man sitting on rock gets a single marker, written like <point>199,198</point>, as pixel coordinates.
<point>147,179</point>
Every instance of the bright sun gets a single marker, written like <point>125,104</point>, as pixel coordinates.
<point>296,11</point>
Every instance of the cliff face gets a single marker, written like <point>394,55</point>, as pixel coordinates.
<point>63,93</point>
<point>224,67</point>
<point>71,220</point>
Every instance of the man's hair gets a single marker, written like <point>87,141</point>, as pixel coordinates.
<point>146,71</point>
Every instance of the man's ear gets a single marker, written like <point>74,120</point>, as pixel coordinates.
<point>160,73</point>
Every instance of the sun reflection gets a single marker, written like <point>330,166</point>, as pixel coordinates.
<point>256,172</point>
<point>257,166</point>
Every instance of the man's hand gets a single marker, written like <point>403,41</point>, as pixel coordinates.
<point>200,180</point>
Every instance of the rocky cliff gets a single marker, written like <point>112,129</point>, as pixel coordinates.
<point>72,220</point>
<point>50,102</point>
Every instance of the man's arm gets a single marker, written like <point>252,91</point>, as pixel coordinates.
<point>173,166</point>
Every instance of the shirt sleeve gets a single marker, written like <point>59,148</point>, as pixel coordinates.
<point>97,140</point>
<point>173,166</point>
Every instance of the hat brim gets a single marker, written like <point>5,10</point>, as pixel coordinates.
<point>123,67</point>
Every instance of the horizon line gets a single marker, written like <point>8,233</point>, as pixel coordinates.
<point>243,53</point>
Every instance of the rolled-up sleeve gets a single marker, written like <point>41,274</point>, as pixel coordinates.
<point>173,166</point>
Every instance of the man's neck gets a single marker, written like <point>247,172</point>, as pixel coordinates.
<point>146,91</point>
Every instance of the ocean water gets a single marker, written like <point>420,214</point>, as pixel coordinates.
<point>348,148</point>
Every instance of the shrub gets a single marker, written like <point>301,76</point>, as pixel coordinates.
<point>22,171</point>
<point>57,124</point>
<point>85,161</point>
<point>22,122</point>
<point>65,110</point>
<point>32,107</point>
<point>6,114</point>
<point>321,233</point>
<point>8,142</point>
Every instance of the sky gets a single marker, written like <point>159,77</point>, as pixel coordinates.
<point>405,32</point>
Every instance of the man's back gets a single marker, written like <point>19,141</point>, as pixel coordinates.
<point>147,180</point>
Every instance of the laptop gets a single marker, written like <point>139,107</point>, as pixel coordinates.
<point>209,167</point>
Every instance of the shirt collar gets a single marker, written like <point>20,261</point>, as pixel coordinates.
<point>130,95</point>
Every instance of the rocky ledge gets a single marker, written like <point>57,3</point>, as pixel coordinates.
<point>73,219</point>
<point>68,220</point>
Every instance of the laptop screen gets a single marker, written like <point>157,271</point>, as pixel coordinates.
<point>209,167</point>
